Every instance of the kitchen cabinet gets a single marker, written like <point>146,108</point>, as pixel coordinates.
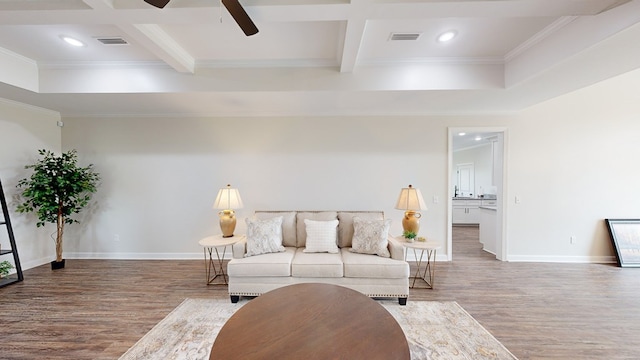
<point>489,202</point>
<point>488,231</point>
<point>466,211</point>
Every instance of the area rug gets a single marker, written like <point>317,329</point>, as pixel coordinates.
<point>434,330</point>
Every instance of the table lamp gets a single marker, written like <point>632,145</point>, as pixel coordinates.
<point>410,200</point>
<point>227,200</point>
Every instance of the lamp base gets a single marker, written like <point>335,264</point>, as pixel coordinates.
<point>227,222</point>
<point>410,221</point>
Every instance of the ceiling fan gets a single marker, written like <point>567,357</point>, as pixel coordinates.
<point>233,6</point>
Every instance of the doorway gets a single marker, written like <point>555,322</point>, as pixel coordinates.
<point>476,187</point>
<point>465,179</point>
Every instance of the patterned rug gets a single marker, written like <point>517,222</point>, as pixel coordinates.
<point>434,330</point>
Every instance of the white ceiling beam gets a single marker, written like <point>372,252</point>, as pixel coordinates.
<point>313,12</point>
<point>156,40</point>
<point>18,70</point>
<point>488,9</point>
<point>575,37</point>
<point>99,4</point>
<point>368,78</point>
<point>354,34</point>
<point>152,37</point>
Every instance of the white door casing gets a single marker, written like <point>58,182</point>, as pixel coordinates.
<point>500,156</point>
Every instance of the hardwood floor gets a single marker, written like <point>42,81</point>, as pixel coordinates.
<point>97,309</point>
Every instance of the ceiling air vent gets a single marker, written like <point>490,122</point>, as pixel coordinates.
<point>112,41</point>
<point>404,36</point>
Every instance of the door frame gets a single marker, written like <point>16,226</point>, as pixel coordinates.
<point>502,243</point>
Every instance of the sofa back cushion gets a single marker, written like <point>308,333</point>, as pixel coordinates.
<point>288,224</point>
<point>301,232</point>
<point>293,228</point>
<point>345,227</point>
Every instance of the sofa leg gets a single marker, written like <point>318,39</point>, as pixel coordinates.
<point>402,301</point>
<point>235,298</point>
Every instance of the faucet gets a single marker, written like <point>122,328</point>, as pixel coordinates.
<point>455,193</point>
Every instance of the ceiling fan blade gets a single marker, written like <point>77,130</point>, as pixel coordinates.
<point>157,3</point>
<point>240,16</point>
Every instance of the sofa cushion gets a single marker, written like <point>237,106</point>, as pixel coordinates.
<point>345,227</point>
<point>370,236</point>
<point>372,266</point>
<point>321,236</point>
<point>318,265</point>
<point>301,231</point>
<point>273,264</point>
<point>288,224</point>
<point>264,236</point>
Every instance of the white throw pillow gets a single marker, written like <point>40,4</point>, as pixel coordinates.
<point>264,236</point>
<point>321,236</point>
<point>370,237</point>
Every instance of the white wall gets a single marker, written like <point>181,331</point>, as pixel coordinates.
<point>573,161</point>
<point>24,130</point>
<point>160,176</point>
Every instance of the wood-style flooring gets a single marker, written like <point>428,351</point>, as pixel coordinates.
<point>97,309</point>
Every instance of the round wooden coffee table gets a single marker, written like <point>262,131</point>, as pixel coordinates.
<point>311,321</point>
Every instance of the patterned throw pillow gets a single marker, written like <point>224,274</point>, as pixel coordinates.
<point>264,236</point>
<point>321,236</point>
<point>370,237</point>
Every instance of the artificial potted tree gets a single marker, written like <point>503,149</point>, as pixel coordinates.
<point>57,189</point>
<point>5,268</point>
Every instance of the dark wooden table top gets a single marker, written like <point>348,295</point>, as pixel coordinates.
<point>311,321</point>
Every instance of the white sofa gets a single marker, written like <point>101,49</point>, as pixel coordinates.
<point>372,275</point>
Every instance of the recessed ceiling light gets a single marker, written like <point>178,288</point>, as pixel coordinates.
<point>71,41</point>
<point>478,138</point>
<point>447,36</point>
<point>462,133</point>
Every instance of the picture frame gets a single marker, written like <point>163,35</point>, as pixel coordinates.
<point>625,237</point>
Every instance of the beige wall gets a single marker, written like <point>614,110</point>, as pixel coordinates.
<point>162,175</point>
<point>24,130</point>
<point>571,161</point>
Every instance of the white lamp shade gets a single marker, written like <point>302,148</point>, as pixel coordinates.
<point>410,199</point>
<point>227,199</point>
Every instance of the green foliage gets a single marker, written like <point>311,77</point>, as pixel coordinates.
<point>409,234</point>
<point>57,187</point>
<point>5,267</point>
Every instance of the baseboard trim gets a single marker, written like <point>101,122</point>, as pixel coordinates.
<point>227,256</point>
<point>563,259</point>
<point>141,256</point>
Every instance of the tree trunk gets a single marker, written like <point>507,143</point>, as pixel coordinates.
<point>60,228</point>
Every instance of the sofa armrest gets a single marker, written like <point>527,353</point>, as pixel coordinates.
<point>240,248</point>
<point>396,249</point>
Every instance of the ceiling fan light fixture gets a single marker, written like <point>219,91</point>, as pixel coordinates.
<point>72,41</point>
<point>447,36</point>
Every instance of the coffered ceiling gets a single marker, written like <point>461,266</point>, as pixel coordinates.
<point>310,57</point>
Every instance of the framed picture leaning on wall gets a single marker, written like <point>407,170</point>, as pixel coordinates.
<point>625,236</point>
